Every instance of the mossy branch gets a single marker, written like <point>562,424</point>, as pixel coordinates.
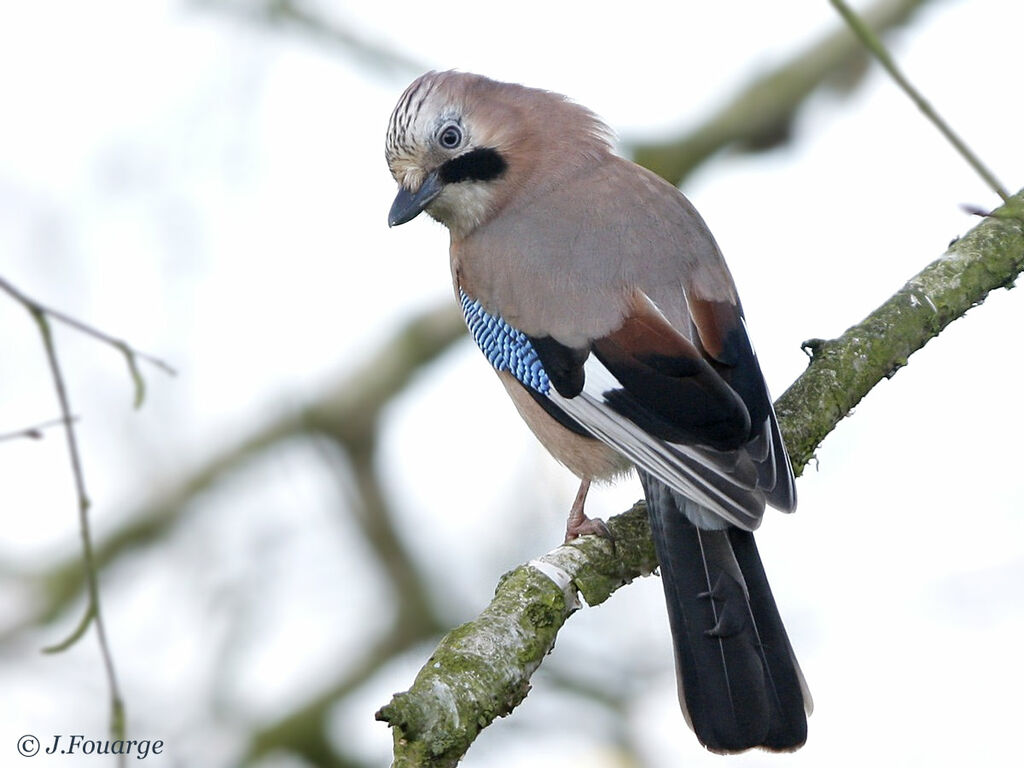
<point>482,669</point>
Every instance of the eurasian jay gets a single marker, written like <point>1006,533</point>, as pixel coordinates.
<point>600,298</point>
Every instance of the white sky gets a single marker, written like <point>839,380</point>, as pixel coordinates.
<point>217,195</point>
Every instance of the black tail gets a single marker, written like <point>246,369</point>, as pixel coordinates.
<point>739,682</point>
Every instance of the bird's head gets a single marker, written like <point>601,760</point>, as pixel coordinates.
<point>460,145</point>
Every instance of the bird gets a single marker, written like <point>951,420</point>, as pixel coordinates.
<point>599,296</point>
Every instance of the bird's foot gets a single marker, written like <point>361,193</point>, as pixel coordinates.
<point>578,524</point>
<point>587,526</point>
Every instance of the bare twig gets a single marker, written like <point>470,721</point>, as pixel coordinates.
<point>35,432</point>
<point>93,614</point>
<point>871,41</point>
<point>131,355</point>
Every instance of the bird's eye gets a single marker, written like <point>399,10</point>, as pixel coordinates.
<point>450,137</point>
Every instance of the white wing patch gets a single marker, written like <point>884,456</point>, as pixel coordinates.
<point>724,482</point>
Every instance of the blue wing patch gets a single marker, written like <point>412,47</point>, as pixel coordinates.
<point>506,348</point>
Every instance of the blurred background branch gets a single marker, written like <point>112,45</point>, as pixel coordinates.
<point>346,417</point>
<point>760,116</point>
<point>297,17</point>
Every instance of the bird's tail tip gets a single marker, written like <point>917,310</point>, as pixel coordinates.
<point>740,686</point>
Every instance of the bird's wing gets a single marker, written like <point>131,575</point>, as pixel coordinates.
<point>622,296</point>
<point>721,333</point>
<point>652,394</point>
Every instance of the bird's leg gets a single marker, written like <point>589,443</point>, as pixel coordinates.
<point>579,524</point>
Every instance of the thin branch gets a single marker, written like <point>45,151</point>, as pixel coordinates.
<point>871,41</point>
<point>131,355</point>
<point>759,116</point>
<point>481,670</point>
<point>94,614</point>
<point>35,432</point>
<point>79,632</point>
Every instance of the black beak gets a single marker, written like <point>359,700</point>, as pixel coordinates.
<point>408,205</point>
